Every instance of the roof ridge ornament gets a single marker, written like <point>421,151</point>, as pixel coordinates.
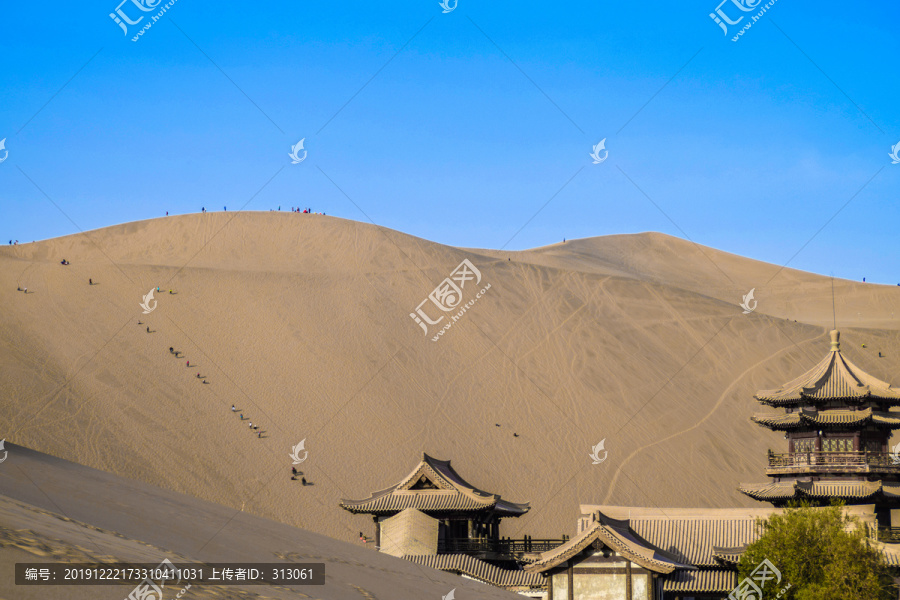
<point>835,340</point>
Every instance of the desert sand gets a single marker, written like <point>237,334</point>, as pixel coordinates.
<point>302,322</point>
<point>56,511</point>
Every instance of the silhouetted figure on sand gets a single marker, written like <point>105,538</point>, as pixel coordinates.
<point>188,364</point>
<point>293,478</point>
<point>293,470</point>
<point>148,329</point>
<point>303,480</point>
<point>90,281</point>
<point>233,409</point>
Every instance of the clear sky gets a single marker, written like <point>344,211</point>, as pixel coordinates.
<point>472,127</point>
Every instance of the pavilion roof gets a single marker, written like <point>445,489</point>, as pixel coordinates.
<point>617,536</point>
<point>695,536</point>
<point>834,377</point>
<point>434,486</point>
<point>811,418</point>
<point>822,489</point>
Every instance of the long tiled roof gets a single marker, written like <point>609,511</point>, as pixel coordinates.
<point>784,490</point>
<point>689,535</point>
<point>827,418</point>
<point>616,535</point>
<point>703,581</point>
<point>478,569</point>
<point>452,493</point>
<point>834,377</point>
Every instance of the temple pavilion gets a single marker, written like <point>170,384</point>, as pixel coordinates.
<point>837,421</point>
<point>436,518</point>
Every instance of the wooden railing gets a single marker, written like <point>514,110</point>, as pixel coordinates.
<point>506,546</point>
<point>839,461</point>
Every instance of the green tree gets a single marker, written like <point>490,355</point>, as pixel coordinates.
<point>822,553</point>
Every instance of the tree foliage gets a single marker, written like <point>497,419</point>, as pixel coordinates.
<point>822,553</point>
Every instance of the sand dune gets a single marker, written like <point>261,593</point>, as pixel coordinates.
<point>56,511</point>
<point>302,322</point>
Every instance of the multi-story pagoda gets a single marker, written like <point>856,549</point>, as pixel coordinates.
<point>837,423</point>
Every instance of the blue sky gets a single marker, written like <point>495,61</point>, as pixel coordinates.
<point>463,127</point>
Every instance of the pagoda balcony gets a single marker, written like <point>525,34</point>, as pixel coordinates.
<point>831,462</point>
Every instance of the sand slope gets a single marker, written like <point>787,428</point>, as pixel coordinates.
<point>302,322</point>
<point>56,511</point>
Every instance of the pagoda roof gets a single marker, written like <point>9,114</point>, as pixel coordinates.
<point>810,418</point>
<point>823,489</point>
<point>834,377</point>
<point>434,486</point>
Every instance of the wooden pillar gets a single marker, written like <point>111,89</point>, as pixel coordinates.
<point>571,593</point>
<point>628,582</point>
<point>550,585</point>
<point>377,532</point>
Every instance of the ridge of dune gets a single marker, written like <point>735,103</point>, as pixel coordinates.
<point>303,323</point>
<point>780,291</point>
